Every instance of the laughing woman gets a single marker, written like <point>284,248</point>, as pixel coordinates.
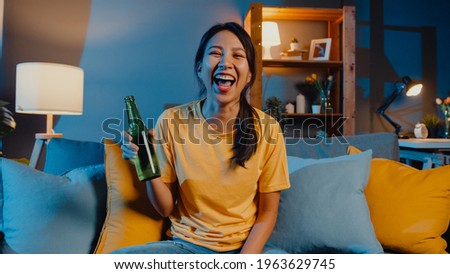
<point>223,163</point>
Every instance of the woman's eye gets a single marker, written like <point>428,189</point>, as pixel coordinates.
<point>216,53</point>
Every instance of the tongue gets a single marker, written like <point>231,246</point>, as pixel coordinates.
<point>225,83</point>
<point>224,86</point>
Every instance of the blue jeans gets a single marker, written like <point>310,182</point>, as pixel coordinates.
<point>178,246</point>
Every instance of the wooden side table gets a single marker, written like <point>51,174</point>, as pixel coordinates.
<point>432,152</point>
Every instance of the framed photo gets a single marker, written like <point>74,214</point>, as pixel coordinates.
<point>320,49</point>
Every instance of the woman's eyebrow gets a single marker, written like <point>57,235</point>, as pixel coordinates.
<point>215,47</point>
<point>220,47</point>
<point>239,48</point>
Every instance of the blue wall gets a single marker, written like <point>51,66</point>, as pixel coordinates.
<point>143,49</point>
<point>146,48</point>
<point>395,39</point>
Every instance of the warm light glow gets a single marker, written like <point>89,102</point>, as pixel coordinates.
<point>48,88</point>
<point>270,34</point>
<point>414,90</point>
<point>270,37</point>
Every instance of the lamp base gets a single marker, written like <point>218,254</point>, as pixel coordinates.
<point>267,55</point>
<point>405,135</point>
<point>41,139</point>
<point>48,136</point>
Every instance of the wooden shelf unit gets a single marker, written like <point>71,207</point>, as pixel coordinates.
<point>301,64</point>
<point>310,114</point>
<point>341,28</point>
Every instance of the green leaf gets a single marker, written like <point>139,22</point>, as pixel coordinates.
<point>7,122</point>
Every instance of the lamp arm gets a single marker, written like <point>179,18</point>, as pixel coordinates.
<point>391,99</point>
<point>397,127</point>
<point>388,102</point>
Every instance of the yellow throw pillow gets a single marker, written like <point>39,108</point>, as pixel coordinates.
<point>409,208</point>
<point>130,218</point>
<point>353,150</point>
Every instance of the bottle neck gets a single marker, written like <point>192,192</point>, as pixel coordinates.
<point>134,117</point>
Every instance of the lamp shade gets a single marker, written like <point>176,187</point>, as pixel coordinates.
<point>49,88</point>
<point>412,88</point>
<point>270,34</point>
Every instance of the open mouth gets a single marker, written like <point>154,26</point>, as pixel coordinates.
<point>223,80</point>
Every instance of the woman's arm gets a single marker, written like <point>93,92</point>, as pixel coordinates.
<point>264,224</point>
<point>161,195</point>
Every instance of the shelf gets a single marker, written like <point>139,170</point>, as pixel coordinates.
<point>309,14</point>
<point>311,114</point>
<point>301,64</point>
<point>341,29</point>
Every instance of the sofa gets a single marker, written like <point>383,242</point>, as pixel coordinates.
<point>348,195</point>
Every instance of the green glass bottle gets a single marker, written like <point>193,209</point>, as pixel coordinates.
<point>145,162</point>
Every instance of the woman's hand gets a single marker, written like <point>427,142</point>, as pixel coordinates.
<point>129,150</point>
<point>159,193</point>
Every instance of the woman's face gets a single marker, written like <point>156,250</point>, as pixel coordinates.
<point>224,68</point>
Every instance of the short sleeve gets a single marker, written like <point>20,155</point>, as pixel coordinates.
<point>274,173</point>
<point>164,149</point>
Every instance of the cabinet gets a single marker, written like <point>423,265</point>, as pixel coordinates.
<point>341,28</point>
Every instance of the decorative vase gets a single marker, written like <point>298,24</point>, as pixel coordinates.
<point>290,108</point>
<point>315,109</point>
<point>326,105</point>
<point>301,104</point>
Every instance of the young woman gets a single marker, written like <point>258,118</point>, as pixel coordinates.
<point>223,163</point>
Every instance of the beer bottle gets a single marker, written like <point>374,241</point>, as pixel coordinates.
<point>145,162</point>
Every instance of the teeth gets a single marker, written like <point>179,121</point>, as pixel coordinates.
<point>224,80</point>
<point>224,77</point>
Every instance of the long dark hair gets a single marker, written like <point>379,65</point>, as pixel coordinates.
<point>246,137</point>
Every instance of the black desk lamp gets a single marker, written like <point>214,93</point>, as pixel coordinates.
<point>412,89</point>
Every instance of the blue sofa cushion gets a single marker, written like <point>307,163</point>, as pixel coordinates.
<point>325,210</point>
<point>64,154</point>
<point>45,213</point>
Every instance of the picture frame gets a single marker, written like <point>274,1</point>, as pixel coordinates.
<point>320,49</point>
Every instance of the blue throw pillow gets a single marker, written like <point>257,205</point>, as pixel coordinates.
<point>325,210</point>
<point>45,213</point>
<point>64,154</point>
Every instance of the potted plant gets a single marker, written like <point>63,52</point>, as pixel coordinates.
<point>433,123</point>
<point>7,122</point>
<point>294,44</point>
<point>274,107</point>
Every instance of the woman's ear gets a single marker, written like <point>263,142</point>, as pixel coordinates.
<point>199,70</point>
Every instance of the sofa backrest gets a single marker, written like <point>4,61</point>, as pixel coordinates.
<point>383,145</point>
<point>64,154</point>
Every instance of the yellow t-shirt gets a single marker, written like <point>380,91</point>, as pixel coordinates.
<point>217,202</point>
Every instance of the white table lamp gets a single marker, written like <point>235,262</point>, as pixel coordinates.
<point>270,37</point>
<point>48,89</point>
